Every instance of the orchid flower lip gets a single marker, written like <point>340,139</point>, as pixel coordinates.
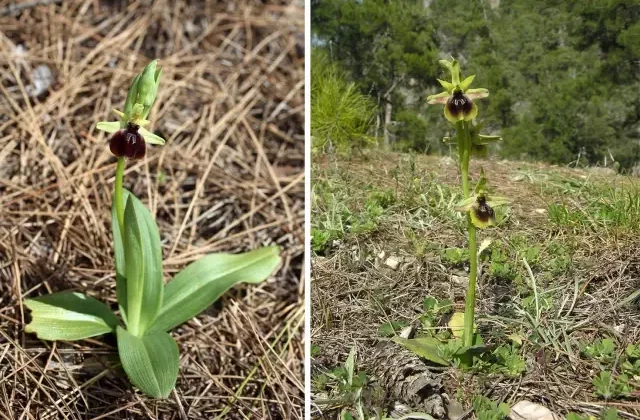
<point>481,213</point>
<point>128,143</point>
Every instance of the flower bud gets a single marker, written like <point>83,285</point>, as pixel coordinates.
<point>148,86</point>
<point>128,143</point>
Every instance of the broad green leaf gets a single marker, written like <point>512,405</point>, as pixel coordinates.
<point>118,248</point>
<point>143,266</point>
<point>69,316</point>
<point>426,347</point>
<point>200,284</point>
<point>151,361</point>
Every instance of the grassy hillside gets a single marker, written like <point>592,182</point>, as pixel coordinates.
<point>555,281</point>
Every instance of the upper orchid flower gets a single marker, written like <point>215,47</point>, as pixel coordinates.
<point>458,98</point>
<point>130,137</point>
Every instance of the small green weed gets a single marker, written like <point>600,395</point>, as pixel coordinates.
<point>607,386</point>
<point>487,409</point>
<point>455,256</point>
<point>602,350</point>
<point>344,386</point>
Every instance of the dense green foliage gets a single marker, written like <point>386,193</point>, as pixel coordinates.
<point>342,115</point>
<point>564,77</point>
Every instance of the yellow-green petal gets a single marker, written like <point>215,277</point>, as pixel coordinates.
<point>440,98</point>
<point>478,93</point>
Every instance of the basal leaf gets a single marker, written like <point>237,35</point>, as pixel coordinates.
<point>201,283</point>
<point>426,347</point>
<point>143,266</point>
<point>151,361</point>
<point>69,316</point>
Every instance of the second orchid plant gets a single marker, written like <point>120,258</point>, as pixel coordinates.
<point>149,309</point>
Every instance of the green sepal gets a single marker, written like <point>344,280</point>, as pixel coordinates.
<point>151,361</point>
<point>150,138</point>
<point>455,73</point>
<point>496,201</point>
<point>464,85</point>
<point>447,85</point>
<point>69,316</point>
<point>108,126</point>
<point>466,204</point>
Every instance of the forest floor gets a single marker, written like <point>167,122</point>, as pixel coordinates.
<point>553,300</point>
<point>229,179</point>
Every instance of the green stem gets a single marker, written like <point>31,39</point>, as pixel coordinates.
<point>464,144</point>
<point>118,196</point>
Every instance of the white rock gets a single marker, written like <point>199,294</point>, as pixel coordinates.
<point>526,410</point>
<point>392,262</point>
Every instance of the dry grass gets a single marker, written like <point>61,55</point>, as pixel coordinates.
<point>229,179</point>
<point>353,291</point>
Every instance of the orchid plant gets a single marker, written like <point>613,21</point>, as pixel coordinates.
<point>148,308</point>
<point>460,109</point>
<point>478,205</point>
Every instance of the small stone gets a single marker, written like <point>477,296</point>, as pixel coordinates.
<point>526,410</point>
<point>381,255</point>
<point>541,211</point>
<point>455,410</point>
<point>460,280</point>
<point>392,262</point>
<point>407,332</point>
